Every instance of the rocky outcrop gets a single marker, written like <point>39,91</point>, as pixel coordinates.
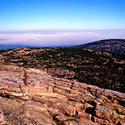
<point>32,97</point>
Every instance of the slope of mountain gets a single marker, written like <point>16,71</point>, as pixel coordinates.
<point>109,45</point>
<point>106,70</point>
<point>32,97</point>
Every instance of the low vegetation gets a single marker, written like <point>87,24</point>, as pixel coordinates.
<point>106,70</point>
<point>108,45</point>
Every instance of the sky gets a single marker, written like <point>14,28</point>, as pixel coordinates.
<point>61,20</point>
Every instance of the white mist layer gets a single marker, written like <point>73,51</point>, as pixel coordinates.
<point>58,38</point>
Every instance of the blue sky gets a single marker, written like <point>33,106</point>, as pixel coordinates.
<point>62,14</point>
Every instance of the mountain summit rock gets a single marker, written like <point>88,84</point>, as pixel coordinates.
<point>32,97</point>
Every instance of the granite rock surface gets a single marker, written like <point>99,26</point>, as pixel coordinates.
<point>32,97</point>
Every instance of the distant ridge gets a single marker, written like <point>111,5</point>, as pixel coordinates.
<point>108,45</point>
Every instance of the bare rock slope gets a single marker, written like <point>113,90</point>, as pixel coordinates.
<point>32,97</point>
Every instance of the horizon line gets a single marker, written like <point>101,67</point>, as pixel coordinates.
<point>6,30</point>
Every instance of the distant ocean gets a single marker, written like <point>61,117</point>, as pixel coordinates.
<point>11,46</point>
<point>30,46</point>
